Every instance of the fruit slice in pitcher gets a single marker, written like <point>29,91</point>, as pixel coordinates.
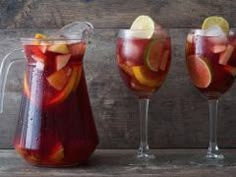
<point>59,79</point>
<point>146,77</point>
<point>57,153</point>
<point>73,79</point>
<point>26,87</point>
<point>59,48</point>
<point>200,71</point>
<point>62,60</point>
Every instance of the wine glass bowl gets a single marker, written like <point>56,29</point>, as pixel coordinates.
<point>143,65</point>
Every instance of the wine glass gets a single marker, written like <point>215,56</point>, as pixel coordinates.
<point>211,63</point>
<point>143,65</point>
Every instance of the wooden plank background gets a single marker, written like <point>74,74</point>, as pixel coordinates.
<point>178,113</point>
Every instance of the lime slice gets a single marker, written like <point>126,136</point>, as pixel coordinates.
<point>216,21</point>
<point>145,25</point>
<point>199,71</point>
<point>154,54</point>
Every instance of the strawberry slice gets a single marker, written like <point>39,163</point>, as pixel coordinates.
<point>59,79</point>
<point>77,49</point>
<point>62,60</point>
<point>225,56</point>
<point>57,153</point>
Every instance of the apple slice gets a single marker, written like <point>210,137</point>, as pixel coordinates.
<point>224,57</point>
<point>218,48</point>
<point>127,69</point>
<point>62,60</point>
<point>190,38</point>
<point>59,48</point>
<point>57,153</point>
<point>139,87</point>
<point>59,79</point>
<point>164,60</point>
<point>77,49</point>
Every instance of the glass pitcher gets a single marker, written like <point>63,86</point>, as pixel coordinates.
<point>55,126</point>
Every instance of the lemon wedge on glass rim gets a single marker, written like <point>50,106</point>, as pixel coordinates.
<point>216,21</point>
<point>144,27</point>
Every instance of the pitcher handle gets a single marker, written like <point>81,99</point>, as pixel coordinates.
<point>6,63</point>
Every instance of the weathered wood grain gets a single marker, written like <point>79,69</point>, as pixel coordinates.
<point>105,163</point>
<point>178,113</point>
<point>112,13</point>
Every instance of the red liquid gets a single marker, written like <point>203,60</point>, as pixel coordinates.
<point>56,126</point>
<point>222,69</point>
<point>133,55</point>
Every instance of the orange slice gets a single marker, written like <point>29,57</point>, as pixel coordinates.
<point>146,77</point>
<point>59,78</point>
<point>26,87</point>
<point>68,87</point>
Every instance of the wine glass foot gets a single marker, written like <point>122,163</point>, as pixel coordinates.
<point>215,160</point>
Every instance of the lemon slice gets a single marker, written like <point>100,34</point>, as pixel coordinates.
<point>216,21</point>
<point>144,25</point>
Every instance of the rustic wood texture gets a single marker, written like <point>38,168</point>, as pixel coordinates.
<point>112,13</point>
<point>178,113</point>
<point>105,163</point>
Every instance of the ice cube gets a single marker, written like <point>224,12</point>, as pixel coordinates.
<point>214,31</point>
<point>216,35</point>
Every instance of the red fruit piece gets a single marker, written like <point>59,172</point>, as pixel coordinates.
<point>57,153</point>
<point>59,78</point>
<point>230,69</point>
<point>62,60</point>
<point>37,58</point>
<point>77,49</point>
<point>224,57</point>
<point>199,71</point>
<point>38,54</point>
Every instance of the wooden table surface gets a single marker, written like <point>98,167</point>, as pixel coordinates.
<point>171,163</point>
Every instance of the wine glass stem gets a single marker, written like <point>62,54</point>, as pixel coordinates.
<point>143,151</point>
<point>213,150</point>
